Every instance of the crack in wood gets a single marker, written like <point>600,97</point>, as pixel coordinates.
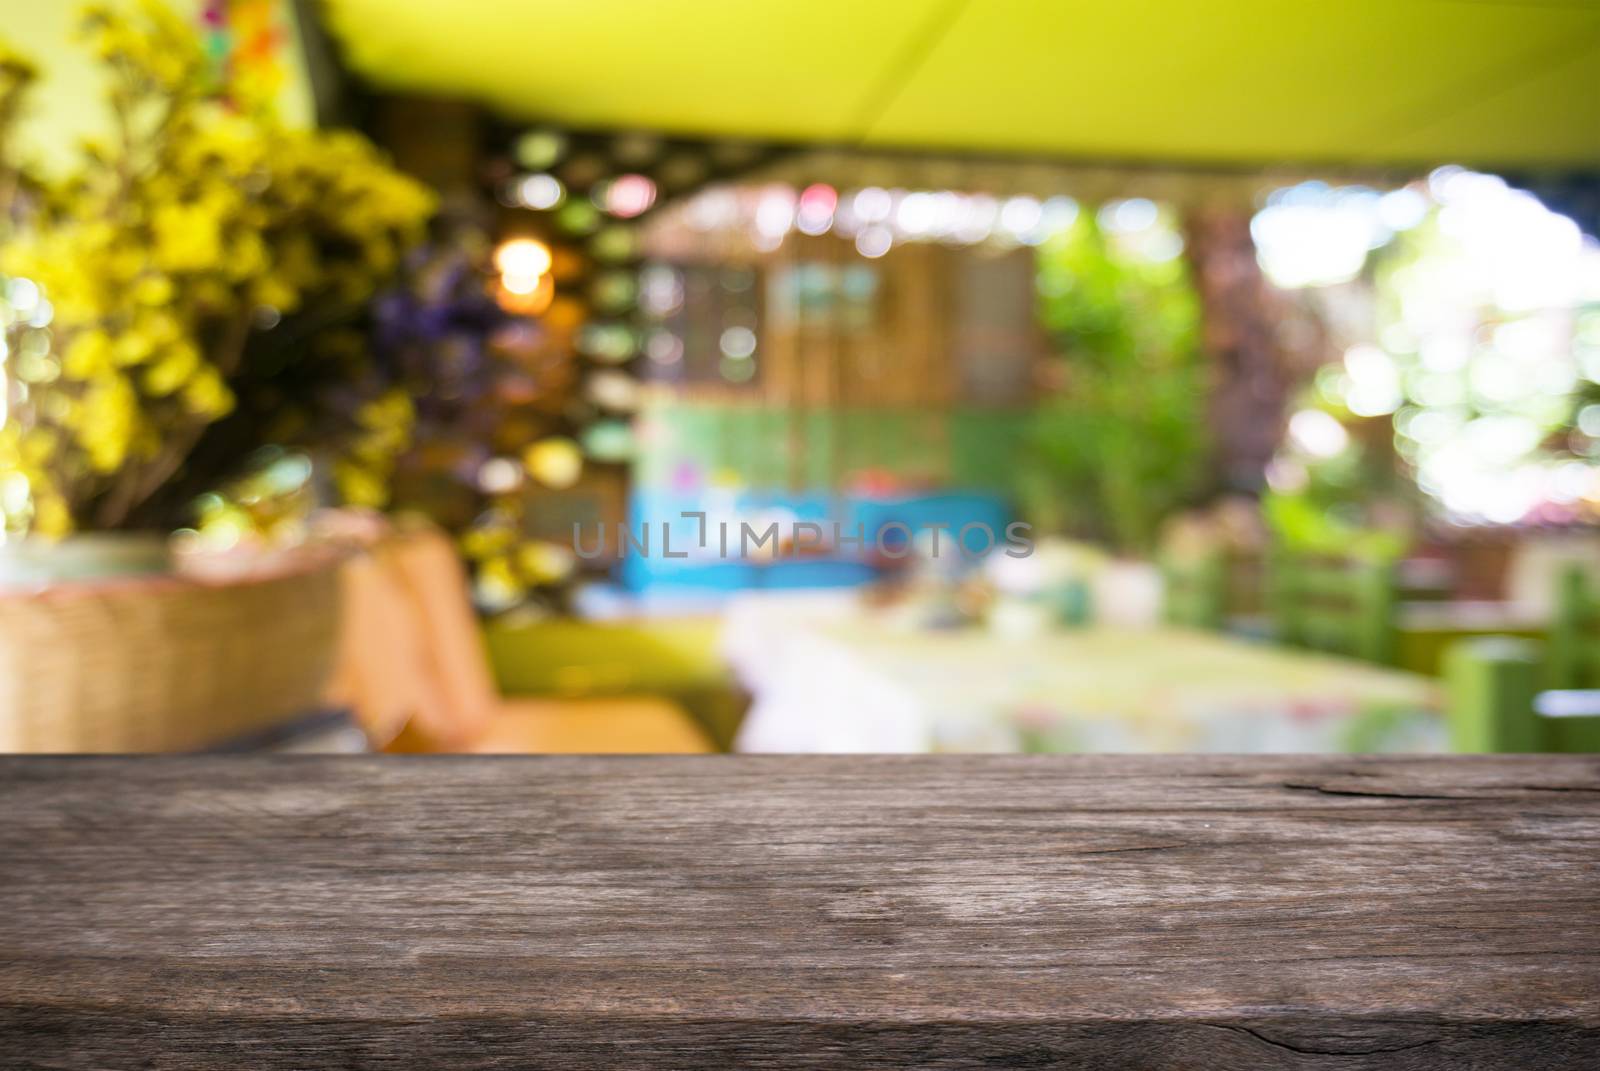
<point>1374,794</point>
<point>1303,1050</point>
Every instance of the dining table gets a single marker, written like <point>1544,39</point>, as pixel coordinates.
<point>657,913</point>
<point>831,672</point>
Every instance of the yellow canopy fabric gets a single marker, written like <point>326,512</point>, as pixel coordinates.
<point>1485,82</point>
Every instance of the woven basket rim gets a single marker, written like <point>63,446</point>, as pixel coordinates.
<point>305,561</point>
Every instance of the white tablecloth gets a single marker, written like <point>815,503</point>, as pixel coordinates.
<point>828,675</point>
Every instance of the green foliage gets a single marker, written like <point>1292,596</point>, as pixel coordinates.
<point>1302,522</point>
<point>1353,502</point>
<point>1120,441</point>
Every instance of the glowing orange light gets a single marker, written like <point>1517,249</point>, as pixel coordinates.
<point>522,258</point>
<point>531,301</point>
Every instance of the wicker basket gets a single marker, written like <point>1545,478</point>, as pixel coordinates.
<point>163,663</point>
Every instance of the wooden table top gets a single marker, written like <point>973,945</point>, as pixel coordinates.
<point>1097,912</point>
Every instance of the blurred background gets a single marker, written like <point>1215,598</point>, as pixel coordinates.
<point>384,374</point>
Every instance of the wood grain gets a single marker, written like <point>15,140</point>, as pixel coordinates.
<point>650,913</point>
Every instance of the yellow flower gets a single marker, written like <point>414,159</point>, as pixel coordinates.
<point>36,446</point>
<point>88,355</point>
<point>153,290</point>
<point>206,395</point>
<point>360,487</point>
<point>156,248</point>
<point>275,291</point>
<point>107,421</point>
<point>187,237</point>
<point>133,346</point>
<point>247,257</point>
<point>51,518</point>
<point>172,370</point>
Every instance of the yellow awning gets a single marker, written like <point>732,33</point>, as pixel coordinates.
<point>1487,82</point>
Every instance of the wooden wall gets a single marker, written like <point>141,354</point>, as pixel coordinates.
<point>861,364</point>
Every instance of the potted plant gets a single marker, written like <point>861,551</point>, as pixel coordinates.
<point>155,299</point>
<point>186,295</point>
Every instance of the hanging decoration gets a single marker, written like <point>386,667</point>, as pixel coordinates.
<point>581,197</point>
<point>565,270</point>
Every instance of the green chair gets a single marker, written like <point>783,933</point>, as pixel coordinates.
<point>1196,589</point>
<point>1509,694</point>
<point>1341,605</point>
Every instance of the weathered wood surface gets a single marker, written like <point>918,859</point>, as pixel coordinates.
<point>700,913</point>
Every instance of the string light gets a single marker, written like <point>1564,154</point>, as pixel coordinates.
<point>540,191</point>
<point>524,267</point>
<point>630,196</point>
<point>522,258</point>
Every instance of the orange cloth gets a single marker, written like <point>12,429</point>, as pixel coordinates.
<point>425,566</point>
<point>380,675</point>
<point>413,668</point>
